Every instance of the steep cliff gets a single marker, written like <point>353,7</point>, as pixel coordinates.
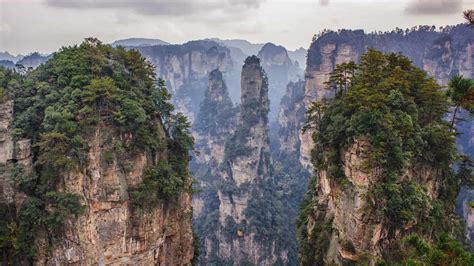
<point>440,53</point>
<point>280,70</point>
<point>240,218</point>
<point>291,118</point>
<point>383,185</point>
<point>105,178</point>
<point>186,67</point>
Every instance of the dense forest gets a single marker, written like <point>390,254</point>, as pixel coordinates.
<point>358,150</point>
<point>57,107</point>
<point>406,175</point>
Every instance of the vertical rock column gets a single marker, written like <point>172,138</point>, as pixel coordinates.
<point>252,162</point>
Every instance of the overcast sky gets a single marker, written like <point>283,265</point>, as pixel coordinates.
<point>46,25</point>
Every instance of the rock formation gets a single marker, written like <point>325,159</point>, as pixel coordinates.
<point>291,118</point>
<point>186,67</point>
<point>79,205</point>
<point>216,120</point>
<point>280,70</point>
<point>440,53</point>
<point>244,227</point>
<point>369,190</point>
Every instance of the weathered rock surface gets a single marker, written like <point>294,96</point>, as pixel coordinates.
<point>356,230</point>
<point>235,178</point>
<point>440,53</point>
<point>291,118</point>
<point>111,231</point>
<point>11,153</point>
<point>216,120</point>
<point>280,70</point>
<point>186,67</point>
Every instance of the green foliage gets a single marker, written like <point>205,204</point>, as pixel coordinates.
<point>197,249</point>
<point>313,241</point>
<point>9,82</point>
<point>402,203</point>
<point>160,182</point>
<point>399,112</point>
<point>340,79</point>
<point>18,231</point>
<point>62,205</point>
<point>236,145</point>
<point>394,105</point>
<point>461,93</point>
<point>58,105</point>
<point>444,251</point>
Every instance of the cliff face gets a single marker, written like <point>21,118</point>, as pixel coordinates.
<point>217,119</point>
<point>11,153</point>
<point>291,118</point>
<point>80,189</point>
<point>441,54</point>
<point>112,231</point>
<point>280,70</point>
<point>353,229</point>
<point>236,218</point>
<point>369,190</point>
<point>185,68</point>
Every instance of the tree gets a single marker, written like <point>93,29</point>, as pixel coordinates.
<point>57,105</point>
<point>340,79</point>
<point>399,111</point>
<point>461,93</point>
<point>469,16</point>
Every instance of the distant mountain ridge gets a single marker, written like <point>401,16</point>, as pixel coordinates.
<point>248,48</point>
<point>139,42</point>
<point>7,56</point>
<point>33,60</point>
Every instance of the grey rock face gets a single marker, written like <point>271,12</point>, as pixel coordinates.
<point>236,161</point>
<point>280,70</point>
<point>110,232</point>
<point>185,68</point>
<point>441,54</point>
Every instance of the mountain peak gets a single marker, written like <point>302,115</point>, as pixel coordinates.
<point>139,42</point>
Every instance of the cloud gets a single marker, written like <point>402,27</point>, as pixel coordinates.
<point>436,7</point>
<point>162,7</point>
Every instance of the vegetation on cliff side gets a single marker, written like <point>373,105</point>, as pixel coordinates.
<point>58,107</point>
<point>400,111</point>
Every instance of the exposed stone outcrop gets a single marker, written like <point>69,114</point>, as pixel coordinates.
<point>253,134</point>
<point>111,231</point>
<point>186,67</point>
<point>280,70</point>
<point>465,206</point>
<point>356,230</point>
<point>216,120</point>
<point>106,227</point>
<point>291,118</point>
<point>238,178</point>
<point>340,210</point>
<point>440,53</point>
<point>11,153</point>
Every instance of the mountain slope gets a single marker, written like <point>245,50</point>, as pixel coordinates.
<point>94,164</point>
